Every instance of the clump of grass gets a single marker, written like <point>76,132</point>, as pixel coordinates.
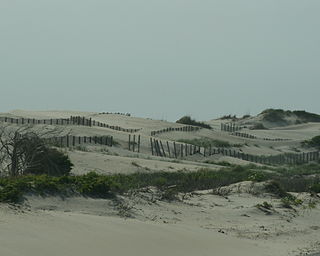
<point>189,121</point>
<point>290,201</point>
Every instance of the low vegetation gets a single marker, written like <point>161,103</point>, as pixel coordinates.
<point>189,121</point>
<point>92,184</point>
<point>227,117</point>
<point>314,142</point>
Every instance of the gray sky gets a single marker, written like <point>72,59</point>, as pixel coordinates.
<point>160,58</point>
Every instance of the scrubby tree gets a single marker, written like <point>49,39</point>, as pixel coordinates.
<point>25,152</point>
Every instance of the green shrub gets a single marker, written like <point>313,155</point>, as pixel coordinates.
<point>315,188</point>
<point>10,194</point>
<point>314,142</point>
<point>95,185</point>
<point>189,121</point>
<point>290,201</point>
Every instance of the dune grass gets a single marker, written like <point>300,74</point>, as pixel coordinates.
<point>107,186</point>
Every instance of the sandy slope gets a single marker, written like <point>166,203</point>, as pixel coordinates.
<point>200,224</point>
<point>73,234</point>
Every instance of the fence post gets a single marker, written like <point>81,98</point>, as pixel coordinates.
<point>139,140</point>
<point>129,142</point>
<point>151,146</point>
<point>164,153</point>
<point>134,143</point>
<point>68,141</point>
<point>175,150</point>
<point>168,149</point>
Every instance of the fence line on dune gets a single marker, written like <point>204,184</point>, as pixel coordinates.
<point>73,120</point>
<point>231,127</point>
<point>179,150</point>
<point>250,136</point>
<point>234,130</point>
<point>72,141</point>
<point>187,128</point>
<point>133,144</point>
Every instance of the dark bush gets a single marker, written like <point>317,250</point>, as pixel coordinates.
<point>315,188</point>
<point>51,162</point>
<point>314,142</point>
<point>187,120</point>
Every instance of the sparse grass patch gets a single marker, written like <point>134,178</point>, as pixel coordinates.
<point>290,201</point>
<point>207,142</point>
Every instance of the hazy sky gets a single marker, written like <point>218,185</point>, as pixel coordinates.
<point>160,58</point>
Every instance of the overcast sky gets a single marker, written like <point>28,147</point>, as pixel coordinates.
<point>160,58</point>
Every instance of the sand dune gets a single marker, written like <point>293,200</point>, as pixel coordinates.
<point>200,224</point>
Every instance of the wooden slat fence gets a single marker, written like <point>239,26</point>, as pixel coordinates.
<point>188,128</point>
<point>134,143</point>
<point>250,136</point>
<point>231,127</point>
<point>73,120</point>
<point>72,141</point>
<point>177,150</point>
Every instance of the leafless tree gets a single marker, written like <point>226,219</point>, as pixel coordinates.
<point>21,149</point>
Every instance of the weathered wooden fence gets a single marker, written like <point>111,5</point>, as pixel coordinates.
<point>72,141</point>
<point>188,128</point>
<point>250,136</point>
<point>134,143</point>
<point>73,120</point>
<point>230,127</point>
<point>172,149</point>
<point>115,113</point>
<point>178,150</point>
